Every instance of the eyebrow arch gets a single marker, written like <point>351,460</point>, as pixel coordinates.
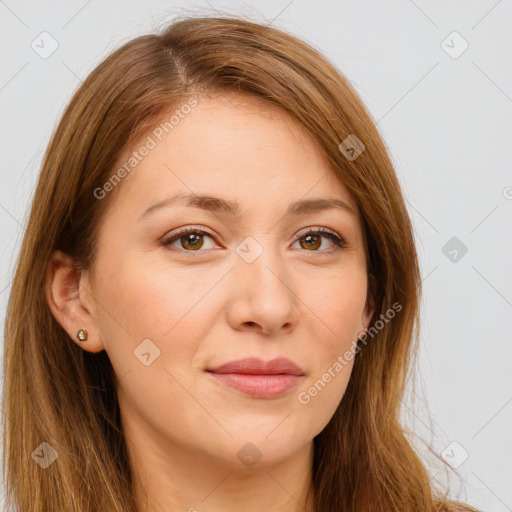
<point>217,204</point>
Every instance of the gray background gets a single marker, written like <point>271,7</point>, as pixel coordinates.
<point>447,120</point>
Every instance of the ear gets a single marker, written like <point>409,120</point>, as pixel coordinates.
<point>366,317</point>
<point>69,297</point>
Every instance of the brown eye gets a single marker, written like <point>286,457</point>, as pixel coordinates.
<point>312,240</point>
<point>190,239</point>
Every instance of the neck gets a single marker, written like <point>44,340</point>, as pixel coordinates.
<point>171,478</point>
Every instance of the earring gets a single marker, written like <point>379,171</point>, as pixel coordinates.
<point>81,335</point>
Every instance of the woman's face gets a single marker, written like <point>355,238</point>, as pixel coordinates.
<point>251,282</point>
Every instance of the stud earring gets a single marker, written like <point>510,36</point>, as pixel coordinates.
<point>81,335</point>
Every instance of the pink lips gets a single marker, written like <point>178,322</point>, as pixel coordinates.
<point>258,378</point>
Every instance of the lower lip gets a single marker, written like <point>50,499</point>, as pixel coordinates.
<point>258,386</point>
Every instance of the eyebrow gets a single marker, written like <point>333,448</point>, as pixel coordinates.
<point>217,204</point>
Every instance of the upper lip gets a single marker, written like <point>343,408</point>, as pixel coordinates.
<point>257,366</point>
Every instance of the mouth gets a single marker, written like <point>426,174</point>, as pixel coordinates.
<point>257,378</point>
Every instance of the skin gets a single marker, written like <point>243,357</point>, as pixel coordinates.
<point>208,306</point>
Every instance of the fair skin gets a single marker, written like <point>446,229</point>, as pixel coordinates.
<point>202,304</point>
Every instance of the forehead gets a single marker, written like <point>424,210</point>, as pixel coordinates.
<point>233,146</point>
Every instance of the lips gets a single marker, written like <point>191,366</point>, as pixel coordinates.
<point>258,378</point>
<point>256,366</point>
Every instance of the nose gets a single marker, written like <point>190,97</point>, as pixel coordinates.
<point>263,297</point>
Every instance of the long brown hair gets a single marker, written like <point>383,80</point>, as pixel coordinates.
<point>59,394</point>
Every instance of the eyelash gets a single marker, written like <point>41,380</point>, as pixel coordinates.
<point>339,241</point>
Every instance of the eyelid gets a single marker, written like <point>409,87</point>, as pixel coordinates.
<point>320,229</point>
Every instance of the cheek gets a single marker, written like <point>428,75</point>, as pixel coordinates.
<point>336,303</point>
<point>320,396</point>
<point>335,307</point>
<point>153,320</point>
<point>172,307</point>
<point>151,299</point>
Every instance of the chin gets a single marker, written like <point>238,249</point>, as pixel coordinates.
<point>261,450</point>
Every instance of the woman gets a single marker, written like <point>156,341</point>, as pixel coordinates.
<point>217,292</point>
